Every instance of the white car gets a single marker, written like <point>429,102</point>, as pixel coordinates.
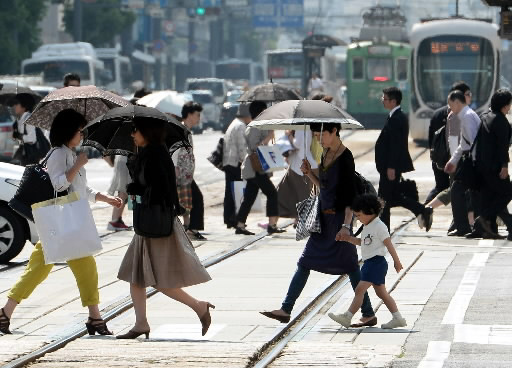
<point>210,117</point>
<point>14,229</point>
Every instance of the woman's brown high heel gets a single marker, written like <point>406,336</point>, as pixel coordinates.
<point>100,328</point>
<point>206,319</point>
<point>4,323</point>
<point>133,335</point>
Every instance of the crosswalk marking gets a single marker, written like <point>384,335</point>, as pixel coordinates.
<point>437,353</point>
<point>460,301</point>
<point>483,334</point>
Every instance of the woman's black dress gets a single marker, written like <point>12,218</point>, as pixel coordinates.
<point>337,190</point>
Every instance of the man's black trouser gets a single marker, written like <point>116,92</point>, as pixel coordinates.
<point>197,212</point>
<point>460,208</point>
<point>442,182</point>
<point>495,195</point>
<point>389,191</point>
<point>263,182</point>
<point>232,174</point>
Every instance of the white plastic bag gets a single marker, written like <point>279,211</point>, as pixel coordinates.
<point>238,190</point>
<point>271,158</point>
<point>66,228</point>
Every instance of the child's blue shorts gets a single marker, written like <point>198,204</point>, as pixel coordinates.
<point>374,270</point>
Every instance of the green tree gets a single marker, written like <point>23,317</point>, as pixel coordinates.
<point>101,21</point>
<point>19,21</point>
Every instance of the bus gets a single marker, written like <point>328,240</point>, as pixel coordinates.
<point>118,69</point>
<point>371,67</point>
<point>446,51</point>
<point>285,66</point>
<point>53,61</point>
<point>240,71</point>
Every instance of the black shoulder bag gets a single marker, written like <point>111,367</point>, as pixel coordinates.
<point>465,171</point>
<point>35,186</point>
<point>216,156</point>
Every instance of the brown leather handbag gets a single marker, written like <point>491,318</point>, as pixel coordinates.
<point>255,162</point>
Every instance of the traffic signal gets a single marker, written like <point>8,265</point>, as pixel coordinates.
<point>200,11</point>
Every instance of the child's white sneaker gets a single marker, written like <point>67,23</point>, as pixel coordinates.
<point>343,319</point>
<point>394,323</point>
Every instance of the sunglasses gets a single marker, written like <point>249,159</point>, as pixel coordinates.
<point>134,129</point>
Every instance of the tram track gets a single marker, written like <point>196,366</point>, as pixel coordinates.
<point>278,342</point>
<point>271,350</point>
<point>123,304</point>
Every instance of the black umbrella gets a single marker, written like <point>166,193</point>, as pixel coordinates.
<point>269,92</point>
<point>111,132</point>
<point>9,90</point>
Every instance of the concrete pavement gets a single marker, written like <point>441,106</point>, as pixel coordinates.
<point>465,283</point>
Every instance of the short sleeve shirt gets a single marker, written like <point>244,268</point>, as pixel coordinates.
<point>372,239</point>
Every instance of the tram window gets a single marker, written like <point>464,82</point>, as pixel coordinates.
<point>401,69</point>
<point>380,70</point>
<point>357,68</point>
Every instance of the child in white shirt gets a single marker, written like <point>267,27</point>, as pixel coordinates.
<point>375,239</point>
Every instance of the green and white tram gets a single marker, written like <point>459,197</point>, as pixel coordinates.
<point>446,51</point>
<point>371,67</point>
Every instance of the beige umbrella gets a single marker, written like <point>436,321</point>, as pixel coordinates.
<point>90,101</point>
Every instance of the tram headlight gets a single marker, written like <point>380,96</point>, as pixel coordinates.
<point>425,114</point>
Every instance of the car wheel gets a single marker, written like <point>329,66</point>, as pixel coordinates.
<point>12,236</point>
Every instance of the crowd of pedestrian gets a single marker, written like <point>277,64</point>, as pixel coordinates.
<point>469,161</point>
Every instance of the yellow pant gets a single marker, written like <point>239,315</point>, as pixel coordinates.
<point>84,269</point>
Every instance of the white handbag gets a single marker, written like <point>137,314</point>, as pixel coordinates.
<point>66,228</point>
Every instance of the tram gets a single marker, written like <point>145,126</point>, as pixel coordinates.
<point>371,67</point>
<point>446,51</point>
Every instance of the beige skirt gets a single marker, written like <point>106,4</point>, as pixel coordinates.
<point>169,262</point>
<point>292,189</point>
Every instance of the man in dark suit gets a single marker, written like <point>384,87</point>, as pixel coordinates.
<point>491,162</point>
<point>392,159</point>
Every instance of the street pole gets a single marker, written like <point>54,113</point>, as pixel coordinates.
<point>456,8</point>
<point>191,46</point>
<point>77,20</point>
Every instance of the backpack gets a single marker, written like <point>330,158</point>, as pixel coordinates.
<point>439,153</point>
<point>363,185</point>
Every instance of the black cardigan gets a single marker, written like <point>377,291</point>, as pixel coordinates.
<point>346,188</point>
<point>154,164</point>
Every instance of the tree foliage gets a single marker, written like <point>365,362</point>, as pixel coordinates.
<point>19,21</point>
<point>101,21</point>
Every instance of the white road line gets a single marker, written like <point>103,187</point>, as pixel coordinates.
<point>460,301</point>
<point>437,353</point>
<point>483,334</point>
<point>486,243</point>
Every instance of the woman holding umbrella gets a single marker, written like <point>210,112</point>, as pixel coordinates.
<point>324,252</point>
<point>167,263</point>
<point>67,172</point>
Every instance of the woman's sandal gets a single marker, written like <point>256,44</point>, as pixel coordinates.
<point>4,323</point>
<point>100,328</point>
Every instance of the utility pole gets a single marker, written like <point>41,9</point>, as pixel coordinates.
<point>77,20</point>
<point>191,46</point>
<point>456,8</point>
